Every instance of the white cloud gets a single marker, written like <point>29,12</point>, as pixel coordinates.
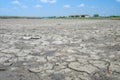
<point>38,6</point>
<point>48,1</point>
<point>82,5</point>
<point>18,3</point>
<point>66,6</point>
<point>118,0</point>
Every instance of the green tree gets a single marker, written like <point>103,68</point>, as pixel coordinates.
<point>82,16</point>
<point>96,15</point>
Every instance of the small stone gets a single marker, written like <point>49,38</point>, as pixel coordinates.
<point>41,59</point>
<point>28,57</point>
<point>23,53</point>
<point>115,67</point>
<point>66,70</point>
<point>59,66</point>
<point>83,61</point>
<point>50,71</point>
<point>43,67</point>
<point>59,54</point>
<point>111,56</point>
<point>26,37</point>
<point>57,42</point>
<point>48,66</point>
<point>51,59</point>
<point>13,68</point>
<point>10,50</point>
<point>100,64</point>
<point>70,58</point>
<point>95,56</point>
<point>71,51</point>
<point>35,70</point>
<point>87,68</point>
<point>44,43</point>
<point>7,63</point>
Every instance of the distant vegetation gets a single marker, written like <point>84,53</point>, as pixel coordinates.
<point>115,17</point>
<point>18,17</point>
<point>95,16</point>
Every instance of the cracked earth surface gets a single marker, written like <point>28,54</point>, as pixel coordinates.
<point>59,49</point>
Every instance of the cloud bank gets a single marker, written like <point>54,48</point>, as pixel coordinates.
<point>48,1</point>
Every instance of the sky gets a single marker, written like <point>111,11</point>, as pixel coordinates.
<point>45,8</point>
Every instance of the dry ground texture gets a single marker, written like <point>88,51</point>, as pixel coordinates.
<point>59,49</point>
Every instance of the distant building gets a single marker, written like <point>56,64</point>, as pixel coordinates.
<point>85,15</point>
<point>82,15</point>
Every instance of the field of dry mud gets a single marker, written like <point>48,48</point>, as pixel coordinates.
<point>59,49</point>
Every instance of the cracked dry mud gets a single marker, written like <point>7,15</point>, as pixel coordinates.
<point>59,49</point>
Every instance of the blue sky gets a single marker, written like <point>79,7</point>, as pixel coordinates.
<point>44,8</point>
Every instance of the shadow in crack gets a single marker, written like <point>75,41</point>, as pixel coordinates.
<point>102,75</point>
<point>115,47</point>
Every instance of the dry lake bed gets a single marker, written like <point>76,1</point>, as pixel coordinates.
<point>59,49</point>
